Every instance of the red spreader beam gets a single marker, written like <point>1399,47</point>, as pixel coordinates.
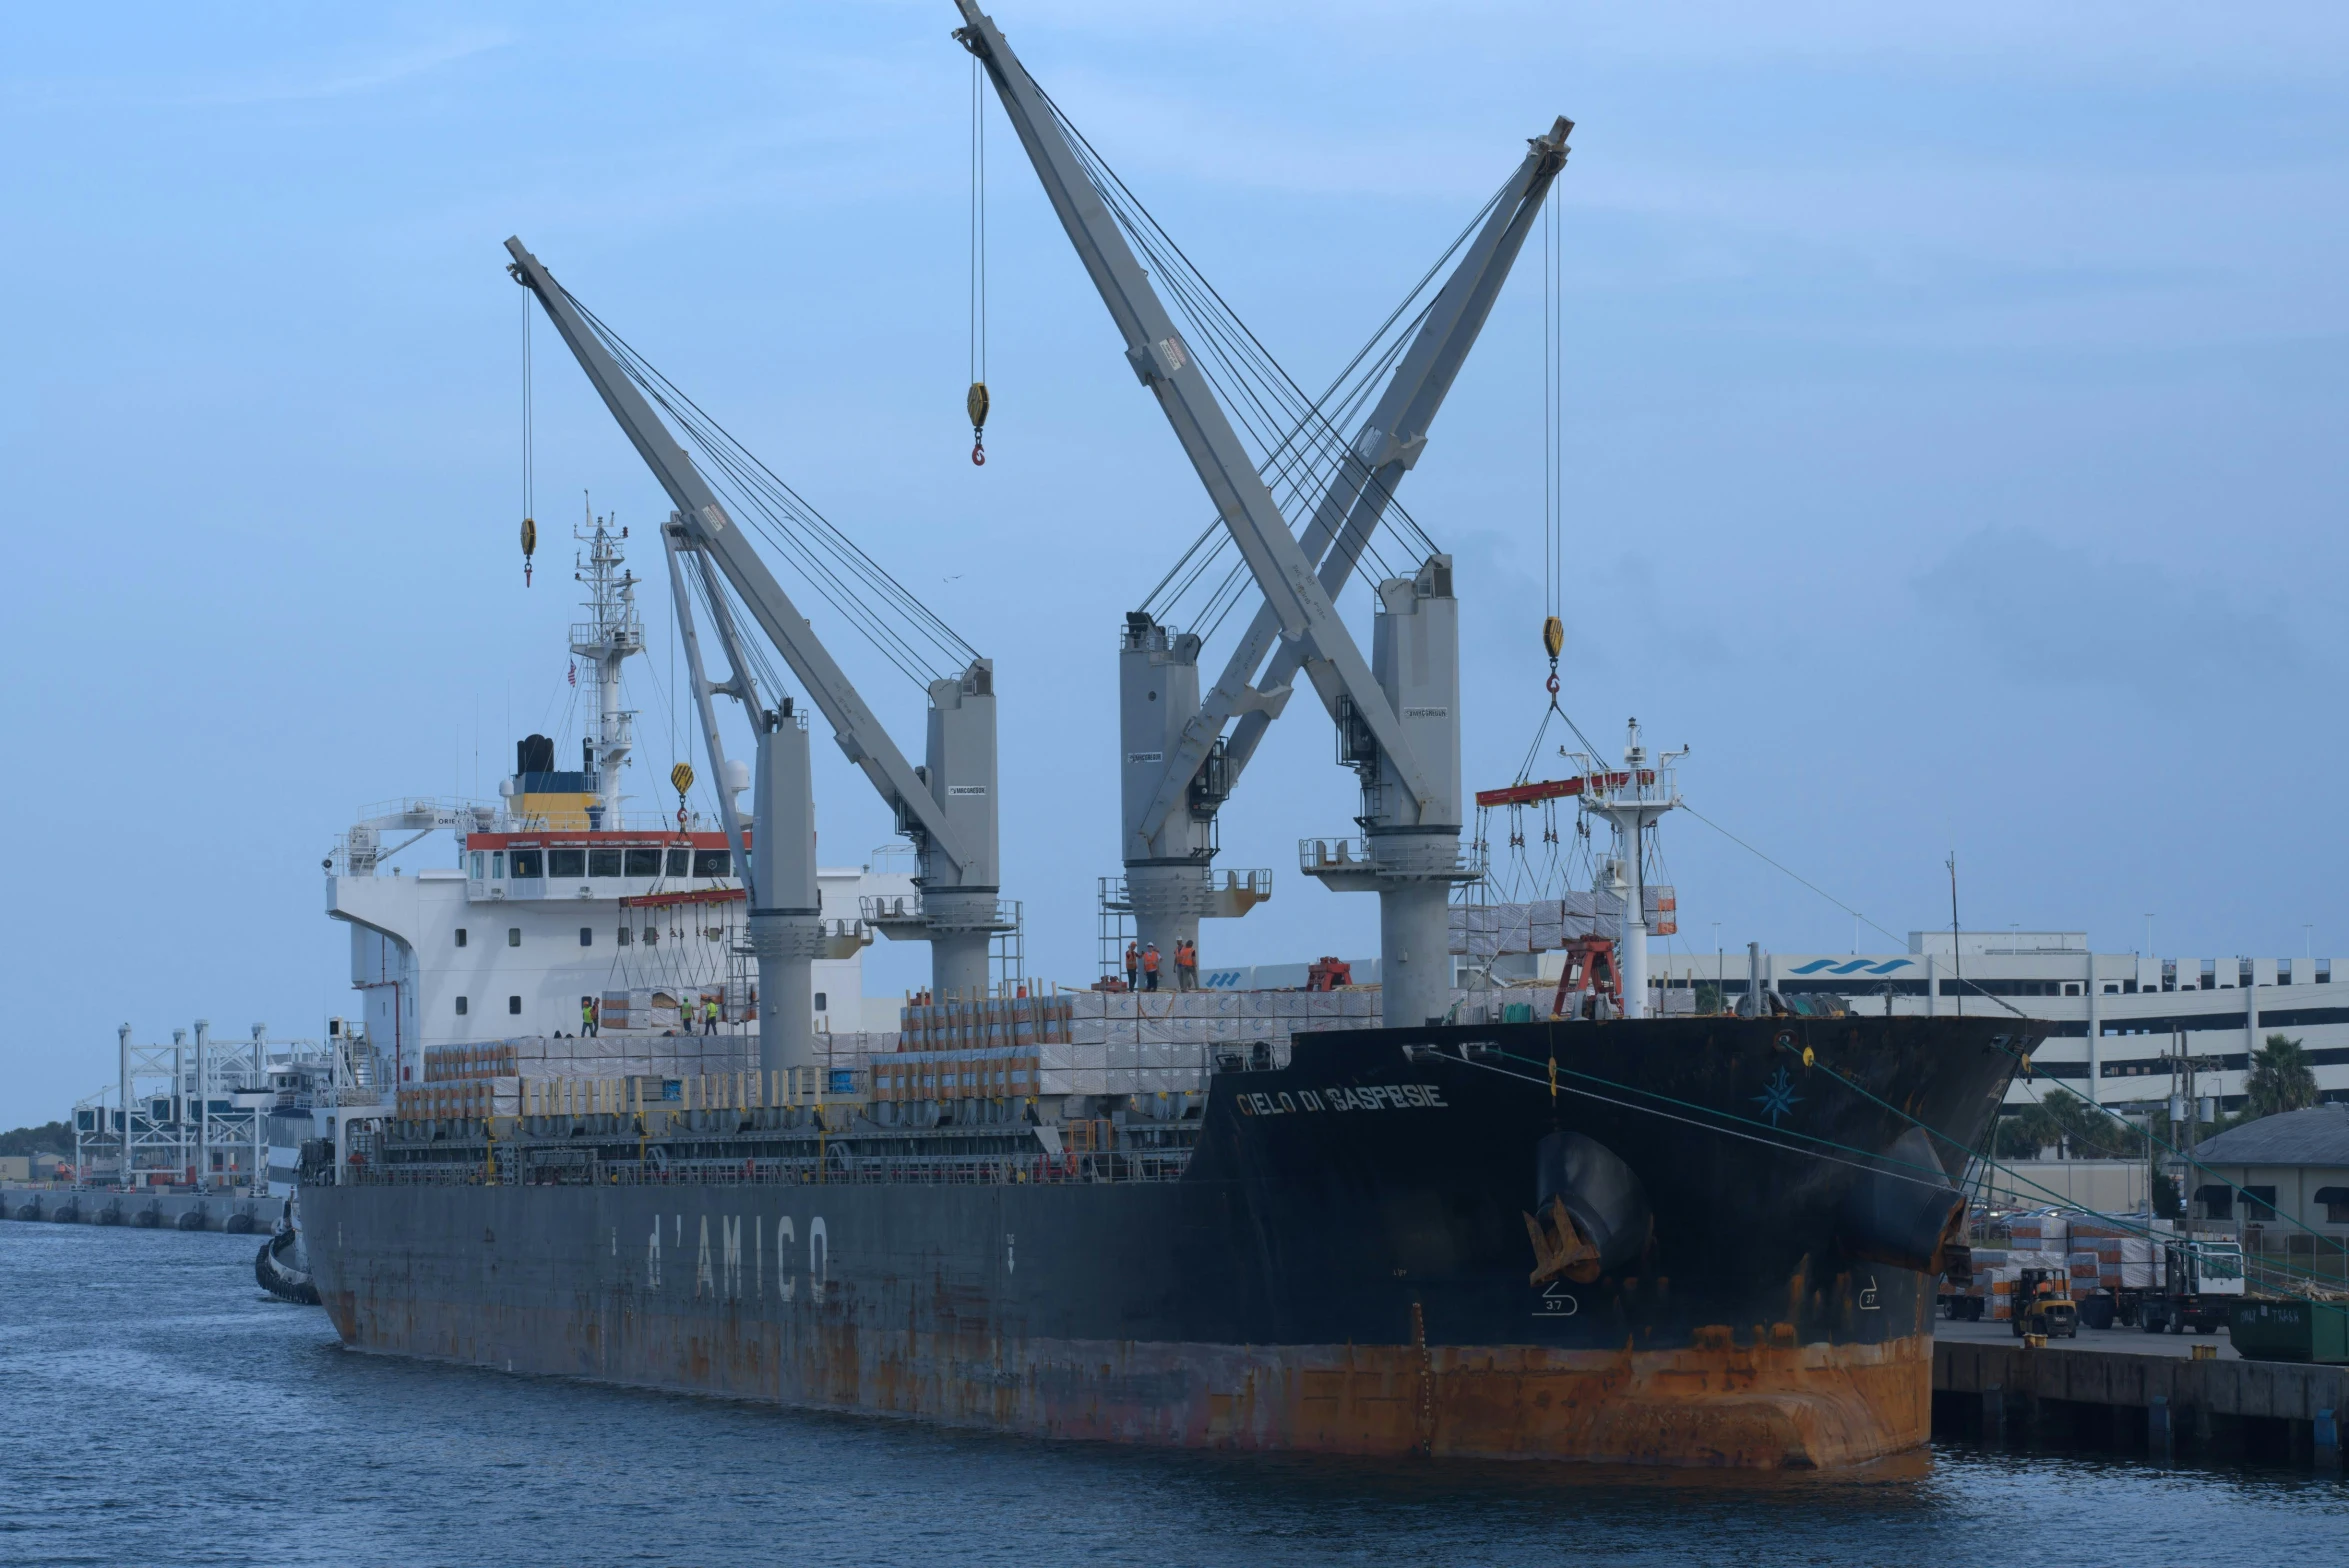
<point>1553,789</point>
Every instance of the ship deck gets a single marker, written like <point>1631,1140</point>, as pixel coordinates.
<point>770,1145</point>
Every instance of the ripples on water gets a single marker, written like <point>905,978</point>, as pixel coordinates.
<point>159,1410</point>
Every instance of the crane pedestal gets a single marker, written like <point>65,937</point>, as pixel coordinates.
<point>959,924</point>
<point>787,946</point>
<point>1169,901</point>
<point>1413,874</point>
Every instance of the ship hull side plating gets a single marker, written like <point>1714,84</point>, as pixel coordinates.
<point>1343,1268</point>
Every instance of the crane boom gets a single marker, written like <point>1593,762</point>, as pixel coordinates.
<point>1384,449</point>
<point>1166,365</point>
<point>854,725</point>
<point>738,684</point>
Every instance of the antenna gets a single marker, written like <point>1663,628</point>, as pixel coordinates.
<point>1957,946</point>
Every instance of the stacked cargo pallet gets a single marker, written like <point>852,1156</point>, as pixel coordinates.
<point>457,1063</point>
<point>1097,1042</point>
<point>2032,1241</point>
<point>605,1056</point>
<point>2091,1252</point>
<point>1019,1072</point>
<point>1993,1282</point>
<point>987,1022</point>
<point>2106,1256</point>
<point>496,1077</point>
<point>1484,931</point>
<point>466,1099</point>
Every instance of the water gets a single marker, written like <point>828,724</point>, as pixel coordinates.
<point>159,1410</point>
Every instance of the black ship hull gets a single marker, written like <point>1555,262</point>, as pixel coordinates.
<point>1735,1244</point>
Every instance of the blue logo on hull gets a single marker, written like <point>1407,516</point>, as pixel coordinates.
<point>1778,1096</point>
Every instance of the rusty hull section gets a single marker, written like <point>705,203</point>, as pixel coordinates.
<point>1756,1401</point>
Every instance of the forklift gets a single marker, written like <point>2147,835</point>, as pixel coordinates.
<point>2043,1304</point>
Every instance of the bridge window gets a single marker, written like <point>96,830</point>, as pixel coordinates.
<point>479,860</point>
<point>713,863</point>
<point>513,1004</point>
<point>587,936</point>
<point>497,863</point>
<point>680,862</point>
<point>820,1007</point>
<point>603,862</point>
<point>529,863</point>
<point>460,1007</point>
<point>566,862</point>
<point>644,863</point>
<point>513,936</point>
<point>460,936</point>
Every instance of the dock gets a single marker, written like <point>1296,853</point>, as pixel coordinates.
<point>236,1214</point>
<point>2153,1398</point>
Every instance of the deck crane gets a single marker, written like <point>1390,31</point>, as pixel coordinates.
<point>947,806</point>
<point>1163,849</point>
<point>1398,727</point>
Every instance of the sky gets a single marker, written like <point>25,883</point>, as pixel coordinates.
<point>1951,458</point>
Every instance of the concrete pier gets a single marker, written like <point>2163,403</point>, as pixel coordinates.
<point>2164,1406</point>
<point>139,1210</point>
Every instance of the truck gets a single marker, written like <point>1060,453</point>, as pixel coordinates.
<point>2196,1286</point>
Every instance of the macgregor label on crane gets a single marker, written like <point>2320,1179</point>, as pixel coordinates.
<point>954,791</point>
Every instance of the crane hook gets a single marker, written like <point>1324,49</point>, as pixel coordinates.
<point>979,453</point>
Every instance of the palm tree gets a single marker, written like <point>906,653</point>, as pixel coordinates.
<point>2092,1134</point>
<point>2022,1135</point>
<point>2280,1078</point>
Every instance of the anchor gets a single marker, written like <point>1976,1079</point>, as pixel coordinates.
<point>1566,1253</point>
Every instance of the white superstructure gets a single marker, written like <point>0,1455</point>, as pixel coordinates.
<point>557,910</point>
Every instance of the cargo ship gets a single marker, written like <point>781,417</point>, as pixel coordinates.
<point>1242,1216</point>
<point>1713,1244</point>
<point>1427,1204</point>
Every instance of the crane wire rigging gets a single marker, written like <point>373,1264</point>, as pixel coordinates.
<point>529,476</point>
<point>906,632</point>
<point>1301,450</point>
<point>975,402</point>
<point>1213,544</point>
<point>1522,873</point>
